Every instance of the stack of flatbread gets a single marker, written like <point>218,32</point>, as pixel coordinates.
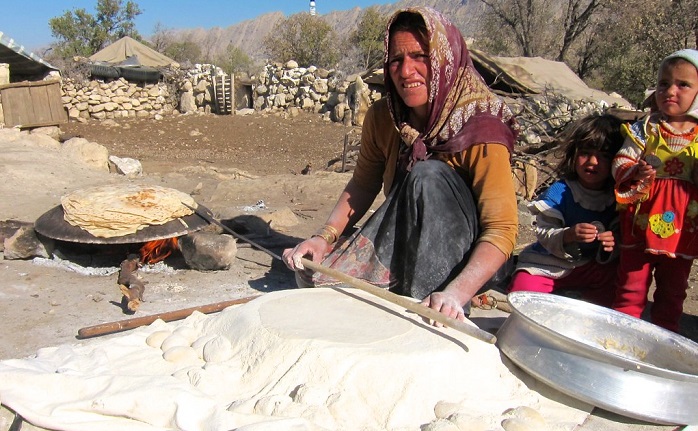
<point>117,210</point>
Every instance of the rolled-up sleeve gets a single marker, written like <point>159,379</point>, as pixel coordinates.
<point>489,170</point>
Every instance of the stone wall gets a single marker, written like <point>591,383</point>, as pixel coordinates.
<point>280,88</point>
<point>119,98</point>
<point>312,89</point>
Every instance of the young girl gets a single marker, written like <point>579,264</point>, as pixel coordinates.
<point>655,173</point>
<point>574,218</point>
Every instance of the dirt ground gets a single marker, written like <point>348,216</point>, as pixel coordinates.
<point>229,164</point>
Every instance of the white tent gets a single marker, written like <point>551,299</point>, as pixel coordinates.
<point>127,48</point>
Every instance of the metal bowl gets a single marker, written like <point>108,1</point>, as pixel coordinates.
<point>603,357</point>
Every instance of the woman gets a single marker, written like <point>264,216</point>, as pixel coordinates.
<point>439,144</point>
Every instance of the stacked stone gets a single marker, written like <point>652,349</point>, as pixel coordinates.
<point>545,115</point>
<point>115,99</point>
<point>312,89</point>
<point>197,89</point>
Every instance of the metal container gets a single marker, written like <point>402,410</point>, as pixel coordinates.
<point>605,358</point>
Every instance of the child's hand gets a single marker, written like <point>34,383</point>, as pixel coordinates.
<point>644,173</point>
<point>607,240</point>
<point>581,232</point>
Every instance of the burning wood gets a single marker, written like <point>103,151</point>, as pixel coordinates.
<point>157,250</point>
<point>132,287</point>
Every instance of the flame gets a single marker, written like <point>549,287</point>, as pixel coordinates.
<point>158,250</point>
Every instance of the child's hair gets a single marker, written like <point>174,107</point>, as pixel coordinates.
<point>595,132</point>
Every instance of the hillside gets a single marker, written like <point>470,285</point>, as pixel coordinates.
<point>249,35</point>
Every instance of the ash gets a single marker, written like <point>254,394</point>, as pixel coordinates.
<point>98,270</point>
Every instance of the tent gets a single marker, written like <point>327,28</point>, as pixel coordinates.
<point>515,76</point>
<point>24,65</point>
<point>125,49</point>
<point>535,75</point>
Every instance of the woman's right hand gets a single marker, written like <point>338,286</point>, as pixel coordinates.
<point>315,249</point>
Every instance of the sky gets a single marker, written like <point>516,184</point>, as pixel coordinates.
<point>27,21</point>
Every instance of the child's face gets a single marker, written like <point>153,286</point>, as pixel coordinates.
<point>676,89</point>
<point>593,168</point>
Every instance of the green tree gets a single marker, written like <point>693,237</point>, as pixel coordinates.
<point>368,37</point>
<point>305,38</point>
<point>636,40</point>
<point>81,33</point>
<point>184,52</point>
<point>234,60</point>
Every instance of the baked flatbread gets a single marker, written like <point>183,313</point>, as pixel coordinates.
<point>117,210</point>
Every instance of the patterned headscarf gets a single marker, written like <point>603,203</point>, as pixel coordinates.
<point>691,56</point>
<point>461,108</point>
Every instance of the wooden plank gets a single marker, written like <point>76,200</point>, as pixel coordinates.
<point>33,104</point>
<point>16,104</point>
<point>58,112</point>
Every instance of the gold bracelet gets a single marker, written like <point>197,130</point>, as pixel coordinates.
<point>331,229</point>
<point>328,233</point>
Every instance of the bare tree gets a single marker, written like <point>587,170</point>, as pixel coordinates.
<point>523,20</point>
<point>162,37</point>
<point>578,17</point>
<point>547,28</point>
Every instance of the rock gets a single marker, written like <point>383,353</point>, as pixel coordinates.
<point>207,251</point>
<point>131,168</point>
<point>89,153</point>
<point>24,244</point>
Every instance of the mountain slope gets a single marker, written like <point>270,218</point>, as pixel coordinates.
<point>249,35</point>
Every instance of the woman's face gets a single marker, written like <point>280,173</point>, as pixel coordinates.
<point>408,64</point>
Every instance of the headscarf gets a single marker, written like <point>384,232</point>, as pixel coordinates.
<point>691,56</point>
<point>462,110</point>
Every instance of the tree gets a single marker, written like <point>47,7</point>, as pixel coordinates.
<point>184,52</point>
<point>81,33</point>
<point>546,28</point>
<point>305,38</point>
<point>634,43</point>
<point>234,60</point>
<point>368,37</point>
<point>162,37</point>
<point>521,22</point>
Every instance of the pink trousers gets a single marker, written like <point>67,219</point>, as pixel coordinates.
<point>595,282</point>
<point>634,280</point>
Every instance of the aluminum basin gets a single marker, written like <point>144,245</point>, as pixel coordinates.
<point>605,358</point>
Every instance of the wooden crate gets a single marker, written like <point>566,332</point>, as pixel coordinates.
<point>33,104</point>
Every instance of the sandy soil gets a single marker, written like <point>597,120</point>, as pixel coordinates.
<point>229,164</point>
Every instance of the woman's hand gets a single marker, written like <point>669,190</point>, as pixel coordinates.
<point>314,249</point>
<point>446,303</point>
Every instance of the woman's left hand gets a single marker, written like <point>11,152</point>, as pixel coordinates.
<point>445,303</point>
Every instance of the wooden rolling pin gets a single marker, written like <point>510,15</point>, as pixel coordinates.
<point>170,316</point>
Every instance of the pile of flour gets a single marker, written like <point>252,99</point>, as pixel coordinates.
<point>307,359</point>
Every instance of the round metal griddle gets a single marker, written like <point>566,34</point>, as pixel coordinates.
<point>52,224</point>
<point>603,357</point>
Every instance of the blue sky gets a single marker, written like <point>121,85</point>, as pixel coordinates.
<point>27,21</point>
